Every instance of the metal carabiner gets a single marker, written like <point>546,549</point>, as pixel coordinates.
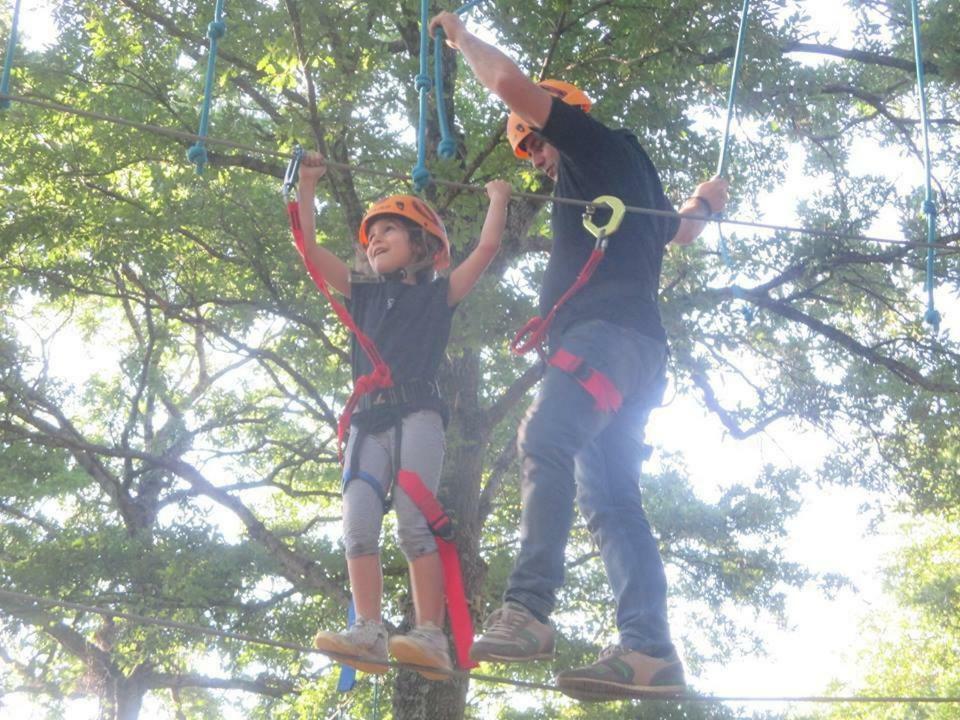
<point>616,217</point>
<point>293,172</point>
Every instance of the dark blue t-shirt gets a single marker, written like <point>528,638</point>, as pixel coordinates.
<point>595,160</point>
<point>409,324</point>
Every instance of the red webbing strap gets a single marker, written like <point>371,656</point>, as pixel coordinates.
<point>532,334</point>
<point>379,377</point>
<point>442,528</point>
<point>606,396</point>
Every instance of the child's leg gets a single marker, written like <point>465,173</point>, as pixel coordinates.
<point>426,583</point>
<point>366,584</point>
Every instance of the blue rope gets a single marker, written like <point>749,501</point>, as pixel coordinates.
<point>8,60</point>
<point>422,82</point>
<point>447,147</point>
<point>197,154</point>
<point>932,317</point>
<point>747,312</point>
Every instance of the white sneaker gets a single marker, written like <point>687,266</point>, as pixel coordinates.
<point>363,646</point>
<point>426,646</point>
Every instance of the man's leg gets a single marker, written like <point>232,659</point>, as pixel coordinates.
<point>562,420</point>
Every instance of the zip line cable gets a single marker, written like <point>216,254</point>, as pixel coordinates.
<point>457,674</point>
<point>183,135</point>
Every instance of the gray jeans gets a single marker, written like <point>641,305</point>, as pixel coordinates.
<point>573,452</point>
<point>422,447</point>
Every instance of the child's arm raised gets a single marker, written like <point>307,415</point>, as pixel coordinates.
<point>334,270</point>
<point>465,276</point>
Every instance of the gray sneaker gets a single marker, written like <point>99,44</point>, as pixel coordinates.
<point>363,646</point>
<point>513,634</point>
<point>621,673</point>
<point>426,646</point>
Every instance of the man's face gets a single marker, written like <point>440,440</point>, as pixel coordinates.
<point>543,156</point>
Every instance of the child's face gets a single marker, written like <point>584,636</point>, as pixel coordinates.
<point>388,246</point>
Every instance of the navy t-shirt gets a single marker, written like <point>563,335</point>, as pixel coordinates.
<point>595,160</point>
<point>409,324</point>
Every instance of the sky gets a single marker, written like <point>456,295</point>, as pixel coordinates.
<point>829,535</point>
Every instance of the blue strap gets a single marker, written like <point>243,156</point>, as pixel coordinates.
<point>197,153</point>
<point>932,317</point>
<point>368,479</point>
<point>348,675</point>
<point>8,60</point>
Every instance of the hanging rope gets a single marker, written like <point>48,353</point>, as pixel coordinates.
<point>185,136</point>
<point>447,147</point>
<point>422,82</point>
<point>215,30</point>
<point>932,317</point>
<point>8,59</point>
<point>480,677</point>
<point>746,311</point>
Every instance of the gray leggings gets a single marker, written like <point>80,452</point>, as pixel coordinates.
<point>421,451</point>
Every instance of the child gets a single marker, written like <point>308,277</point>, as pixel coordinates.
<point>407,313</point>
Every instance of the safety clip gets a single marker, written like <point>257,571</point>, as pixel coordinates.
<point>617,209</point>
<point>293,173</point>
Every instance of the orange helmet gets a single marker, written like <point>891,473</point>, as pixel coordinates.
<point>417,211</point>
<point>517,129</point>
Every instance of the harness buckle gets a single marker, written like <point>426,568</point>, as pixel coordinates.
<point>617,211</point>
<point>442,527</point>
<point>292,174</point>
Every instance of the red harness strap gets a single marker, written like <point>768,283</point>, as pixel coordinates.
<point>532,334</point>
<point>439,523</point>
<point>379,377</point>
<point>606,396</point>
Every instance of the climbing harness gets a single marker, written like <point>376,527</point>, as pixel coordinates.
<point>377,378</point>
<point>423,83</point>
<point>532,335</point>
<point>377,389</point>
<point>197,154</point>
<point>8,59</point>
<point>932,316</point>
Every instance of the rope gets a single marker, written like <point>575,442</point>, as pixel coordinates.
<point>422,82</point>
<point>746,311</point>
<point>215,30</point>
<point>447,147</point>
<point>8,60</point>
<point>458,674</point>
<point>285,156</point>
<point>932,317</point>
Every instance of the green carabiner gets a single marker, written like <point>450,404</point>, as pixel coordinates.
<point>618,210</point>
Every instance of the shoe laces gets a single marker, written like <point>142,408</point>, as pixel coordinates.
<point>610,651</point>
<point>506,619</point>
<point>430,634</point>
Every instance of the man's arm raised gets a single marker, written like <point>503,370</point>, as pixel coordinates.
<point>495,71</point>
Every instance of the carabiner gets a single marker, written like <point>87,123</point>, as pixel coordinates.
<point>293,172</point>
<point>616,217</point>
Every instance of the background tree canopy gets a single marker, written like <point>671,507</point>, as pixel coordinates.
<point>190,472</point>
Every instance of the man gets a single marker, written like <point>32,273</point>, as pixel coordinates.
<point>575,445</point>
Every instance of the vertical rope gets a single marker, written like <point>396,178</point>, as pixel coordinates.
<point>422,82</point>
<point>447,147</point>
<point>197,154</point>
<point>932,317</point>
<point>8,60</point>
<point>747,312</point>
